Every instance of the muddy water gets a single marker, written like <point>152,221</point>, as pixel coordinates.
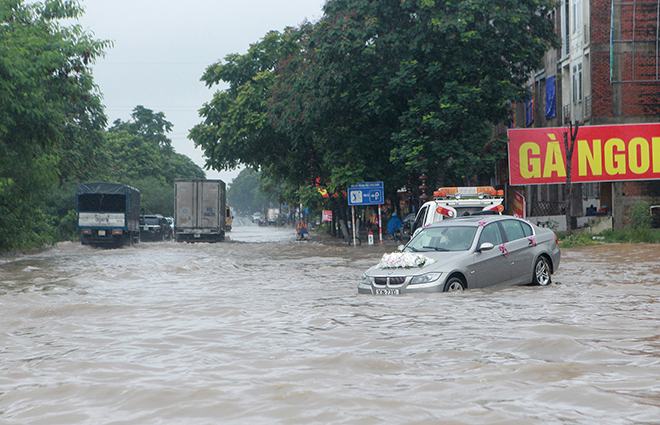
<point>266,330</point>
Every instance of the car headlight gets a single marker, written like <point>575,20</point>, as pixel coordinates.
<point>425,278</point>
<point>366,280</point>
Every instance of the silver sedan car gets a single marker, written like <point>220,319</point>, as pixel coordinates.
<point>466,253</point>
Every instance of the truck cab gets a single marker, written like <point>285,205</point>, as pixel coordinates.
<point>452,202</point>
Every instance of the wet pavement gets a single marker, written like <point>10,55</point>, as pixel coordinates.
<point>262,329</point>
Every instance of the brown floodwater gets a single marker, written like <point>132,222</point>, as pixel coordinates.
<point>262,329</point>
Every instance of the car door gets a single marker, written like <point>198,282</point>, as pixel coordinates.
<point>520,250</point>
<point>490,267</point>
<point>419,221</point>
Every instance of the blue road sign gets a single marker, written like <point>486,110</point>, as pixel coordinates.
<point>370,193</point>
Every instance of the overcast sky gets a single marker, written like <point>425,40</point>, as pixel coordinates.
<point>162,47</point>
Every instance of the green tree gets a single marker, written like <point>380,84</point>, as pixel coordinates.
<point>51,117</point>
<point>247,193</point>
<point>375,89</point>
<point>141,155</point>
<point>236,128</point>
<point>420,81</point>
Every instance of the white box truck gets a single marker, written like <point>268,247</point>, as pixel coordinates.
<point>199,210</point>
<point>272,216</point>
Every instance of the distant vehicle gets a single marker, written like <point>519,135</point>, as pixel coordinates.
<point>228,218</point>
<point>108,214</point>
<point>155,228</point>
<point>272,215</point>
<point>452,202</point>
<point>199,210</point>
<point>170,221</point>
<point>256,217</point>
<point>466,253</point>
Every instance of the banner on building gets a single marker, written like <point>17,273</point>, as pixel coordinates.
<point>600,154</point>
<point>327,215</point>
<point>550,98</point>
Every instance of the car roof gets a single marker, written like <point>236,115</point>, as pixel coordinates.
<point>471,220</point>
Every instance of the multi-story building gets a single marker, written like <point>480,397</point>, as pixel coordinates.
<point>606,72</point>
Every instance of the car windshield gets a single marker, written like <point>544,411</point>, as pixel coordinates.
<point>149,220</point>
<point>451,238</point>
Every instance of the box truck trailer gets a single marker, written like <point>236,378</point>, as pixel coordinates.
<point>199,210</point>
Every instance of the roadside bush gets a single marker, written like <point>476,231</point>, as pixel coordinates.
<point>631,235</point>
<point>637,230</point>
<point>65,230</point>
<point>577,239</point>
<point>638,217</point>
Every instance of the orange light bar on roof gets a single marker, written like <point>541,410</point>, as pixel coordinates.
<point>485,189</point>
<point>469,190</point>
<point>449,190</point>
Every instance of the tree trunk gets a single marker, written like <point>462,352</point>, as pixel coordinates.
<point>568,192</point>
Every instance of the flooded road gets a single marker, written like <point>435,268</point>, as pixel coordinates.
<point>265,330</point>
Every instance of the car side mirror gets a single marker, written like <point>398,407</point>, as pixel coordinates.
<point>486,246</point>
<point>400,248</point>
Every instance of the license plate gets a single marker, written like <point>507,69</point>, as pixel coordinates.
<point>101,232</point>
<point>387,292</point>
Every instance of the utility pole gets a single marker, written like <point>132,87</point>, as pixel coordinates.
<point>568,190</point>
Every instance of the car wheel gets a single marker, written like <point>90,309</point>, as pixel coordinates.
<point>454,284</point>
<point>541,272</point>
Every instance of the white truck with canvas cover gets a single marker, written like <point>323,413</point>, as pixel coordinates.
<point>452,202</point>
<point>108,214</point>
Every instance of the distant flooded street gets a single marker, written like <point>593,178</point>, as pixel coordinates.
<point>262,329</point>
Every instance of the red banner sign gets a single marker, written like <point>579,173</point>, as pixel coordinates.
<point>519,204</point>
<point>600,154</point>
<point>327,215</point>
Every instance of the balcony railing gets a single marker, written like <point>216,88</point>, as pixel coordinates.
<point>540,209</point>
<point>587,107</point>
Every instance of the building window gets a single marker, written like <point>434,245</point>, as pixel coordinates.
<point>577,15</point>
<point>591,190</point>
<point>529,108</point>
<point>577,83</point>
<point>565,25</point>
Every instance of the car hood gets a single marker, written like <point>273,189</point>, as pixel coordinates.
<point>444,261</point>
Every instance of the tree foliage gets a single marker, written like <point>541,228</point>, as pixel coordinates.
<point>142,156</point>
<point>52,128</point>
<point>247,194</point>
<point>376,89</point>
<point>51,116</point>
